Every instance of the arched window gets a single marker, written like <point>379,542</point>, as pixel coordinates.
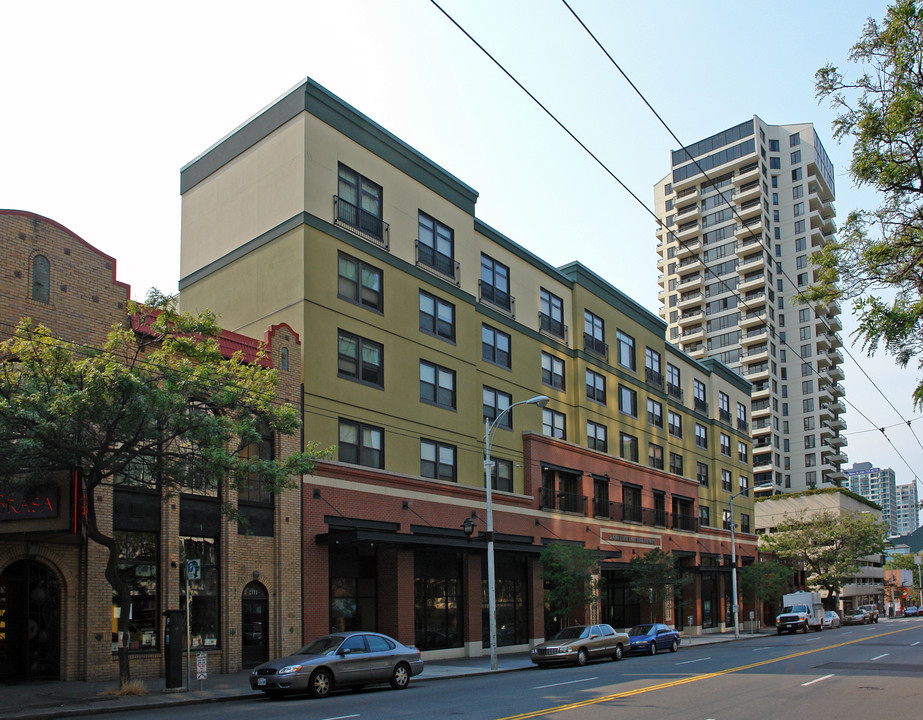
<point>283,361</point>
<point>41,278</point>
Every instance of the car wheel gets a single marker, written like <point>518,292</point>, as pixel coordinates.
<point>321,683</point>
<point>675,646</point>
<point>617,655</point>
<point>400,678</point>
<point>652,649</point>
<point>581,657</point>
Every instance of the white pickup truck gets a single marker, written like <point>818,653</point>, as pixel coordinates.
<point>800,611</point>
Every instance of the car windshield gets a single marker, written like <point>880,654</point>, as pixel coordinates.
<point>573,633</point>
<point>794,608</point>
<point>640,630</point>
<point>854,612</point>
<point>322,646</point>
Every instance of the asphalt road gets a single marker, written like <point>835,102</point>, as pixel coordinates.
<point>871,671</point>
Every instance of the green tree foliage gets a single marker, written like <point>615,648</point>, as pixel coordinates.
<point>654,577</point>
<point>830,546</point>
<point>877,259</point>
<point>570,573</point>
<point>764,581</point>
<point>160,407</point>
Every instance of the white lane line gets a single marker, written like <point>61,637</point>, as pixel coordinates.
<point>689,662</point>
<point>342,717</point>
<point>569,682</point>
<point>766,647</point>
<point>881,656</point>
<point>811,682</point>
<point>916,643</point>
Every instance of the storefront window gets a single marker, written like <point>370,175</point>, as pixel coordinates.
<point>353,589</point>
<point>138,569</point>
<point>437,600</point>
<point>203,592</point>
<point>512,601</point>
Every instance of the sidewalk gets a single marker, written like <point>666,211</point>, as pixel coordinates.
<point>40,700</point>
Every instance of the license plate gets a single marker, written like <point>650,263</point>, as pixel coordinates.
<point>261,681</point>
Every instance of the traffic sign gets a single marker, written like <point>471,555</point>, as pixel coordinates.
<point>193,569</point>
<point>201,665</point>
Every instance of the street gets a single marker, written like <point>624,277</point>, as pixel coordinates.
<point>863,671</point>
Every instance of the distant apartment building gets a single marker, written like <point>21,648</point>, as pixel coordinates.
<point>877,485</point>
<point>742,212</point>
<point>419,323</point>
<point>908,508</point>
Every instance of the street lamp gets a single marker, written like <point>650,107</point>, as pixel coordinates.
<point>745,491</point>
<point>489,427</point>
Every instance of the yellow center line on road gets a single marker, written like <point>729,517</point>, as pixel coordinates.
<point>693,678</point>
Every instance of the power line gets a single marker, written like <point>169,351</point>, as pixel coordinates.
<point>741,300</point>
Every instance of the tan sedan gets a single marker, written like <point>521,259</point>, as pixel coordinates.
<point>579,644</point>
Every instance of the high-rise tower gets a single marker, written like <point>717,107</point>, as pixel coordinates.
<point>743,211</point>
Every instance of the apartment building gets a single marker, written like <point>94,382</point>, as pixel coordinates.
<point>908,508</point>
<point>421,325</point>
<point>741,213</point>
<point>877,485</point>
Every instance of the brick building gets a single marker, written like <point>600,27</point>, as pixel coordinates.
<point>58,617</point>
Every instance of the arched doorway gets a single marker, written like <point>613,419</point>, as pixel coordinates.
<point>30,622</point>
<point>254,622</point>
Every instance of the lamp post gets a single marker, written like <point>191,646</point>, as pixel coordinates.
<point>489,427</point>
<point>745,491</point>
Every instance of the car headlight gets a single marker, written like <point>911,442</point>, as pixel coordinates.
<point>289,669</point>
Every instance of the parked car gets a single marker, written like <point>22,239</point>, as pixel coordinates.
<point>343,659</point>
<point>580,643</point>
<point>651,637</point>
<point>872,610</point>
<point>911,611</point>
<point>831,620</point>
<point>856,616</point>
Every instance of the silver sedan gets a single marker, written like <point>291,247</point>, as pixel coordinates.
<point>345,659</point>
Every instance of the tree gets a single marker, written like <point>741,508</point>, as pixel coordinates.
<point>158,404</point>
<point>828,545</point>
<point>569,572</point>
<point>879,253</point>
<point>764,581</point>
<point>654,577</point>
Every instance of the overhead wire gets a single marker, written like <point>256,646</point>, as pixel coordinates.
<point>611,173</point>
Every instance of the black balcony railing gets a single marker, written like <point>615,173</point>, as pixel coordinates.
<point>685,522</point>
<point>653,377</point>
<point>501,299</point>
<point>601,508</point>
<point>441,263</point>
<point>550,499</point>
<point>700,405</point>
<point>595,346</point>
<point>632,513</point>
<point>724,416</point>
<point>363,223</point>
<point>552,326</point>
<point>675,391</point>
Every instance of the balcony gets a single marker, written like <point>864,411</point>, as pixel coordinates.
<point>498,299</point>
<point>747,191</point>
<point>687,212</point>
<point>753,319</point>
<point>747,245</point>
<point>754,335</point>
<point>689,317</point>
<point>685,232</point>
<point>836,357</point>
<point>690,299</point>
<point>751,228</point>
<point>752,281</point>
<point>438,263</point>
<point>746,175</point>
<point>838,408</point>
<point>689,264</point>
<point>685,522</point>
<point>361,223</point>
<point>752,261</point>
<point>696,352</point>
<point>836,372</point>
<point>750,208</point>
<point>552,326</point>
<point>692,332</point>
<point>837,424</point>
<point>549,499</point>
<point>653,378</point>
<point>595,346</point>
<point>675,391</point>
<point>689,282</point>
<point>838,441</point>
<point>688,248</point>
<point>756,353</point>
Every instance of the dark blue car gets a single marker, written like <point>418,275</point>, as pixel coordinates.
<point>651,637</point>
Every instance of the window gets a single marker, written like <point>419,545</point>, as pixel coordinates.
<point>552,371</point>
<point>654,413</point>
<point>437,460</point>
<point>742,451</point>
<point>41,279</point>
<point>701,473</point>
<point>724,407</point>
<point>596,386</point>
<point>553,424</point>
<point>808,442</point>
<point>628,401</point>
<point>796,157</point>
<point>809,460</point>
<point>798,209</point>
<point>359,282</point>
<point>203,593</point>
<point>701,436</point>
<point>773,146</point>
<point>138,564</point>
<point>501,475</point>
<point>698,394</point>
<point>775,163</point>
<point>283,360</point>
<point>800,244</point>
<point>673,382</point>
<point>436,245</point>
<point>551,313</point>
<point>725,444</point>
<point>626,350</point>
<point>704,518</point>
<point>741,416</point>
<point>495,283</point>
<point>254,495</point>
<point>802,279</point>
<point>655,456</point>
<point>360,359</point>
<point>743,484</point>
<point>676,464</point>
<point>801,262</point>
<point>361,444</point>
<point>437,317</point>
<point>744,522</point>
<point>652,370</point>
<point>807,405</point>
<point>726,480</point>
<point>797,174</point>
<point>437,385</point>
<point>794,139</point>
<point>797,192</point>
<point>675,424</point>
<point>359,203</point>
<point>628,447</point>
<point>726,519</point>
<point>596,436</point>
<point>775,198</point>
<point>495,347</point>
<point>495,402</point>
<point>594,334</point>
<point>805,332</point>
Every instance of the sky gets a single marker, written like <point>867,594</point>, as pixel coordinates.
<point>104,102</point>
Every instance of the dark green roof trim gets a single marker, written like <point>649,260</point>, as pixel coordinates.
<point>312,98</point>
<point>519,251</point>
<point>581,275</point>
<point>722,370</point>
